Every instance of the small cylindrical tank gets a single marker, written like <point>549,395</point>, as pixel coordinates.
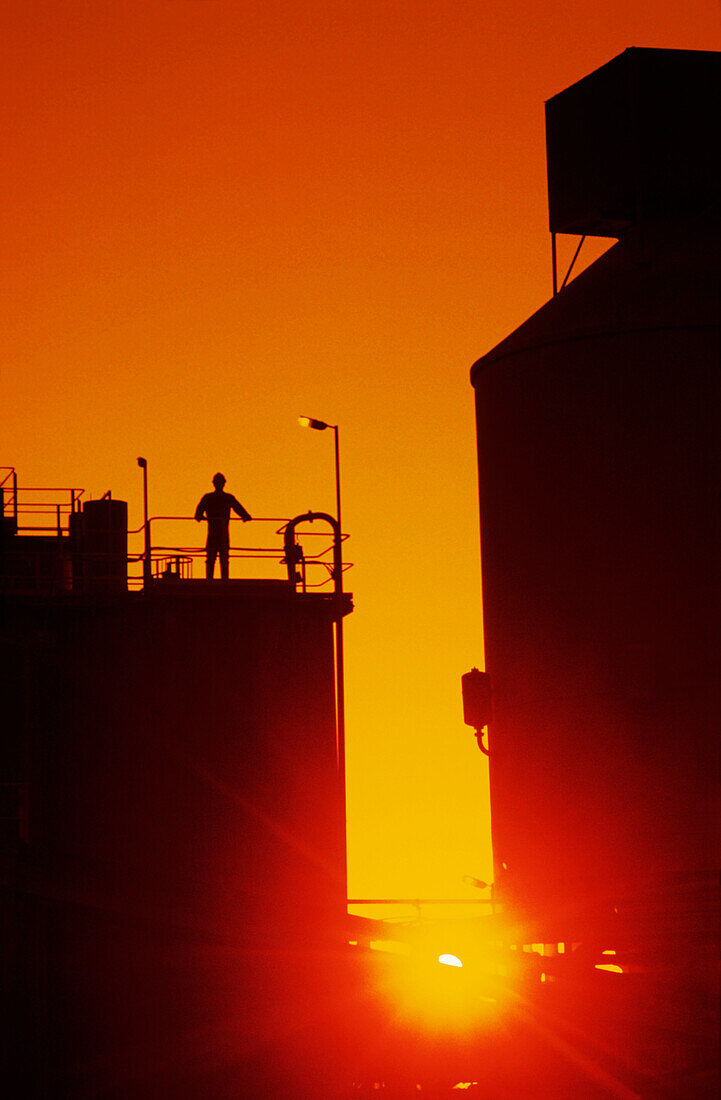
<point>100,541</point>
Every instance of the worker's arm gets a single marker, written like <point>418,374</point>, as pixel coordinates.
<point>238,507</point>
<point>200,510</point>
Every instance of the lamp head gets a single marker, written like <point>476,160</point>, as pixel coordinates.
<point>309,422</point>
<point>142,463</point>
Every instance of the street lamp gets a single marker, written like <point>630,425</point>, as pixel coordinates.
<point>320,426</point>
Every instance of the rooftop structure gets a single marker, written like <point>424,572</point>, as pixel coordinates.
<point>173,834</point>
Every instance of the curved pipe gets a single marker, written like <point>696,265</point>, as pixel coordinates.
<point>479,739</point>
<point>290,560</point>
<point>289,546</point>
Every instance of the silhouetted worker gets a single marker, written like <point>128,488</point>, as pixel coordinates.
<point>216,508</point>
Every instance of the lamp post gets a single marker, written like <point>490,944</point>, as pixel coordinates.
<point>143,464</point>
<point>320,426</point>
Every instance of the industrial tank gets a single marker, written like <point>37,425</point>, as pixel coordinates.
<point>99,539</point>
<point>599,465</point>
<point>174,892</point>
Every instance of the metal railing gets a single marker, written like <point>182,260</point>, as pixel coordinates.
<point>414,906</point>
<point>9,493</point>
<point>61,562</point>
<point>41,510</point>
<point>175,556</point>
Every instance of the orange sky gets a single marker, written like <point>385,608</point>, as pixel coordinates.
<point>219,215</point>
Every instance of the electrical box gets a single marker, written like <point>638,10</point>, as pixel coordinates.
<point>476,688</point>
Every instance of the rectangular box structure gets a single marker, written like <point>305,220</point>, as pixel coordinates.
<point>636,139</point>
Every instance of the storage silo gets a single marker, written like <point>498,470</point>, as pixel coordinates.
<point>599,463</point>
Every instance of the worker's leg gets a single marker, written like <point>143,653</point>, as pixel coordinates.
<point>210,555</point>
<point>223,554</point>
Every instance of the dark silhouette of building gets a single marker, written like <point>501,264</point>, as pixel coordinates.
<point>599,459</point>
<point>173,844</point>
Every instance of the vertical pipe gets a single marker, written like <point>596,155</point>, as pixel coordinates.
<point>339,665</point>
<point>554,264</point>
<point>147,571</point>
<point>337,482</point>
<point>289,544</point>
<point>147,563</point>
<point>340,730</point>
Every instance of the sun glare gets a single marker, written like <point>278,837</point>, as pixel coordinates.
<point>436,990</point>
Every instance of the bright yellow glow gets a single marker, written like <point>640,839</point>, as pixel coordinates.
<point>391,947</point>
<point>440,992</point>
<point>304,421</point>
<point>438,999</point>
<point>611,967</point>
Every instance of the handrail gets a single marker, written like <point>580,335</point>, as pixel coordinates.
<point>420,901</point>
<point>26,506</point>
<point>169,556</point>
<point>10,475</point>
<point>48,488</point>
<point>247,551</point>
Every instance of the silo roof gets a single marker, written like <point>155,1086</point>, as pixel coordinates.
<point>661,275</point>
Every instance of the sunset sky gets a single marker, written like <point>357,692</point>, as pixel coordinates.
<point>221,214</point>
